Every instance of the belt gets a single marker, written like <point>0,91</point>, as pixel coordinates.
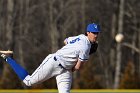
<point>59,63</point>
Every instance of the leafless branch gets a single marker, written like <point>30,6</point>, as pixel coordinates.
<point>132,47</point>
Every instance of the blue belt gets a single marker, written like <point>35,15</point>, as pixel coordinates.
<point>59,63</point>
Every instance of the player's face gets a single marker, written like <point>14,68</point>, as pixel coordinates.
<point>92,36</point>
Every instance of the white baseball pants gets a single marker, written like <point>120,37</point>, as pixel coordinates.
<point>47,69</point>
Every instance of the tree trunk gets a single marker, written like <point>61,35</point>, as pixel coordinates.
<point>7,73</point>
<point>139,51</point>
<point>54,34</point>
<point>112,51</point>
<point>119,53</point>
<point>83,10</point>
<point>22,28</point>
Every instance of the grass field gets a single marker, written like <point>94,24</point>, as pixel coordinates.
<point>72,91</point>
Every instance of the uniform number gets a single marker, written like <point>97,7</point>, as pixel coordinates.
<point>73,41</point>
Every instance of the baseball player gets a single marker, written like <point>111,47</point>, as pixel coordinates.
<point>61,64</point>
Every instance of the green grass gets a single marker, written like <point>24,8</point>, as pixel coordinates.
<point>72,91</point>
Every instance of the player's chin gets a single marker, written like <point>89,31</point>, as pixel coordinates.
<point>94,40</point>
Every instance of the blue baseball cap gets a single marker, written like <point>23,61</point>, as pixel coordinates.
<point>93,28</point>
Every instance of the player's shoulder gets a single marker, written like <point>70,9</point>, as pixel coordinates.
<point>85,42</point>
<point>84,39</point>
<point>82,35</point>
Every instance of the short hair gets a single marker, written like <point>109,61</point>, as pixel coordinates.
<point>85,33</point>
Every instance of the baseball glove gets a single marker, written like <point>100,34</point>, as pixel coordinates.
<point>93,48</point>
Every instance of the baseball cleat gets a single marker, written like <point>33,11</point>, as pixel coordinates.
<point>3,56</point>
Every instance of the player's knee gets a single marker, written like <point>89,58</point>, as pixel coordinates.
<point>27,81</point>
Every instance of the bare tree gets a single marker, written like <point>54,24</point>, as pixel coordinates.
<point>9,44</point>
<point>53,27</point>
<point>119,54</point>
<point>23,28</point>
<point>112,50</point>
<point>138,29</point>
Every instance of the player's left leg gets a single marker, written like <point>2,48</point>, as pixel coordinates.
<point>46,70</point>
<point>20,71</point>
<point>64,81</point>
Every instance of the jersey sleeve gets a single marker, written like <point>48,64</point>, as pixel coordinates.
<point>84,54</point>
<point>69,39</point>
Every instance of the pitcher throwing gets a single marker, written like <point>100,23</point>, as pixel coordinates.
<point>61,64</point>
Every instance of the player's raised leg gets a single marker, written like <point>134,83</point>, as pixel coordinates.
<point>43,72</point>
<point>47,69</point>
<point>20,71</point>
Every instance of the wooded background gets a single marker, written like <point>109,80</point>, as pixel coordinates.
<point>35,28</point>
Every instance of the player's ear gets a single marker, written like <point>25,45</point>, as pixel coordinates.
<point>87,33</point>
